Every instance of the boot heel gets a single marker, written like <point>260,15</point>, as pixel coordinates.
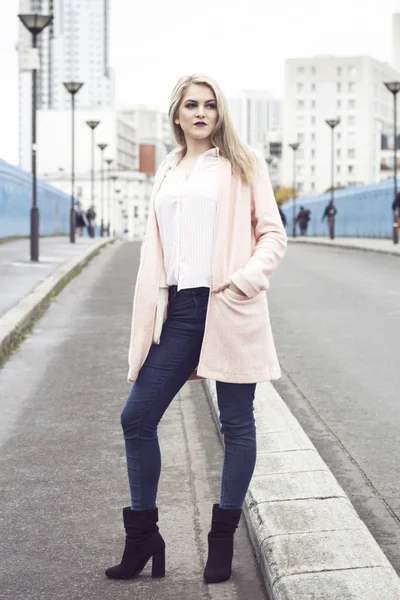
<point>158,565</point>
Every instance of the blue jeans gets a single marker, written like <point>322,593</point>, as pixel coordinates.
<point>166,369</point>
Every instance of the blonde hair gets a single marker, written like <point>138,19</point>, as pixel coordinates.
<point>224,136</point>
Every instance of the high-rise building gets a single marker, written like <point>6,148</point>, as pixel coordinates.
<point>256,114</point>
<point>74,47</point>
<point>326,87</point>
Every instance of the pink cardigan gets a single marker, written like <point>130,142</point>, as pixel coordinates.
<point>249,243</point>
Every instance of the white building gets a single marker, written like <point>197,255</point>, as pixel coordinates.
<point>74,47</point>
<point>326,87</point>
<point>257,117</point>
<point>152,127</point>
<point>115,130</point>
<point>122,198</point>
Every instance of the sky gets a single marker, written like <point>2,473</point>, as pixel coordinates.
<point>242,44</point>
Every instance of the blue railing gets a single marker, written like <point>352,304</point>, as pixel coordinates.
<point>16,200</point>
<point>363,211</point>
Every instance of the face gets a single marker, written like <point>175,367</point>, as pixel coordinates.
<point>198,106</point>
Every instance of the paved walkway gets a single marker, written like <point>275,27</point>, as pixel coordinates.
<point>369,244</point>
<point>19,276</point>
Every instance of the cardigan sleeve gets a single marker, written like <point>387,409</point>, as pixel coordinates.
<point>271,238</point>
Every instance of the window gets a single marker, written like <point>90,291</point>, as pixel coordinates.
<point>300,186</point>
<point>339,136</point>
<point>312,153</point>
<point>313,87</point>
<point>312,120</point>
<point>351,120</point>
<point>338,168</point>
<point>352,104</point>
<point>351,153</point>
<point>300,169</point>
<point>312,186</point>
<point>352,71</point>
<point>313,137</point>
<point>300,154</point>
<point>300,88</point>
<point>338,104</point>
<point>352,87</point>
<point>338,153</point>
<point>300,137</point>
<point>312,169</point>
<point>338,71</point>
<point>300,104</point>
<point>300,70</point>
<point>350,169</point>
<point>313,70</point>
<point>300,121</point>
<point>338,87</point>
<point>313,104</point>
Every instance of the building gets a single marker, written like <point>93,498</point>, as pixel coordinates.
<point>257,117</point>
<point>74,47</point>
<point>325,87</point>
<point>121,197</point>
<point>153,133</point>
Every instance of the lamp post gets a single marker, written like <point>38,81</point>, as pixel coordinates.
<point>118,202</point>
<point>109,161</point>
<point>332,124</point>
<point>294,147</point>
<point>92,125</point>
<point>35,24</point>
<point>102,148</point>
<point>73,88</point>
<point>394,88</point>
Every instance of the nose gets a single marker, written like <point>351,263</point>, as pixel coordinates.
<point>200,112</point>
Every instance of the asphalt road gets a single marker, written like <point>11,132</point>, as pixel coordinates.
<point>336,318</point>
<point>63,478</point>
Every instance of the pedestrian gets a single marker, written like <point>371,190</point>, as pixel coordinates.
<point>91,217</point>
<point>213,239</point>
<point>302,219</point>
<point>80,218</point>
<point>283,216</point>
<point>396,210</point>
<point>330,213</point>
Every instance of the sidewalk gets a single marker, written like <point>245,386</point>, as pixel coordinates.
<point>367,244</point>
<point>26,286</point>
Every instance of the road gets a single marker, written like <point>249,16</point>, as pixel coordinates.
<point>63,475</point>
<point>336,318</point>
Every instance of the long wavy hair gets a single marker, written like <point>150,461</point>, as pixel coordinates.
<point>224,136</point>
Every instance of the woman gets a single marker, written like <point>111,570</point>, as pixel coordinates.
<point>213,239</point>
<point>80,218</point>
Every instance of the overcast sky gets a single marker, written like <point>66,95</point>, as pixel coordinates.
<point>241,43</point>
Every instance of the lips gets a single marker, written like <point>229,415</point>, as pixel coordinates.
<point>201,124</point>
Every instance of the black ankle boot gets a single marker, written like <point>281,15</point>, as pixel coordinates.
<point>220,544</point>
<point>142,542</point>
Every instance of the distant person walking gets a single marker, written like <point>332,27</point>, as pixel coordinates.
<point>80,218</point>
<point>213,240</point>
<point>330,213</point>
<point>91,217</point>
<point>396,210</point>
<point>302,219</point>
<point>283,216</point>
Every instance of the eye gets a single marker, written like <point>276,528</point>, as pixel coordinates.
<point>212,106</point>
<point>190,105</point>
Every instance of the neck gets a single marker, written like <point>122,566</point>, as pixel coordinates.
<point>197,147</point>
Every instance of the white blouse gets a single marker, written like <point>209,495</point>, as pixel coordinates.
<point>185,209</point>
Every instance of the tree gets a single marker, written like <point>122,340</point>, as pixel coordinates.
<point>283,194</point>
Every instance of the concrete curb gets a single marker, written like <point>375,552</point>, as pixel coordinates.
<point>309,540</point>
<point>16,321</point>
<point>335,244</point>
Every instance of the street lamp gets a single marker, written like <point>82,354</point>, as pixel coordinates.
<point>332,124</point>
<point>102,148</point>
<point>109,161</point>
<point>73,88</point>
<point>92,125</point>
<point>294,147</point>
<point>34,23</point>
<point>394,88</point>
<point>117,192</point>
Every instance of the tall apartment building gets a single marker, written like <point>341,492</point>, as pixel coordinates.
<point>325,87</point>
<point>74,47</point>
<point>256,114</point>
